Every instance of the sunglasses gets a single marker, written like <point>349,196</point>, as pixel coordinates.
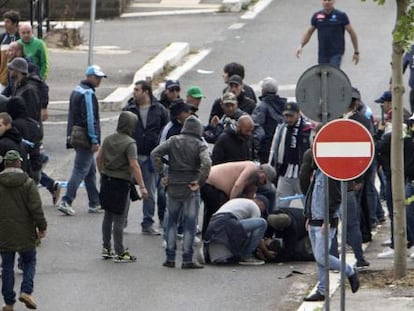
<point>174,89</point>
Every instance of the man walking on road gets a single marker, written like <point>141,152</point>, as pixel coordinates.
<point>331,25</point>
<point>83,118</point>
<point>22,223</point>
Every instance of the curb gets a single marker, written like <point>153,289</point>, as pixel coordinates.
<point>170,56</point>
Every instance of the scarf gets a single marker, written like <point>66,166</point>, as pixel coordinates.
<point>288,155</point>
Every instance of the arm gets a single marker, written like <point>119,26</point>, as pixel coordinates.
<point>90,121</point>
<point>354,40</point>
<point>99,160</point>
<point>243,183</point>
<point>136,172</point>
<point>44,61</point>
<point>305,39</point>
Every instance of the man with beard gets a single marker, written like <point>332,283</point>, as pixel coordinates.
<point>234,144</point>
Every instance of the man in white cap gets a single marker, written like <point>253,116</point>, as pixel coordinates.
<point>84,134</point>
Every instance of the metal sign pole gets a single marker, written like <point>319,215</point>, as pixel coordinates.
<point>344,192</point>
<point>324,104</point>
<point>92,32</point>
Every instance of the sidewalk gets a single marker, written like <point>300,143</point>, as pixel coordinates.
<point>374,299</point>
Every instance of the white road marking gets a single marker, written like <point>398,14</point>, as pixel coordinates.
<point>256,9</point>
<point>236,26</point>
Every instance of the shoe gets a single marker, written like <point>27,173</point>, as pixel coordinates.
<point>412,256</point>
<point>317,296</point>
<point>150,230</point>
<point>7,308</point>
<point>55,192</point>
<point>354,281</point>
<point>95,210</point>
<point>410,251</point>
<point>362,263</point>
<point>107,253</point>
<point>386,243</point>
<point>191,265</point>
<point>169,264</point>
<point>124,257</point>
<point>251,261</point>
<point>382,220</point>
<point>28,301</point>
<point>386,254</point>
<point>66,208</point>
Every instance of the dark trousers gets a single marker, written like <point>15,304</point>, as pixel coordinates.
<point>213,198</point>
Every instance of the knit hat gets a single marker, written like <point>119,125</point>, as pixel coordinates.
<point>192,126</point>
<point>19,64</point>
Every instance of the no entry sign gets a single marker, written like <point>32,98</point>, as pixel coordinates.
<point>343,149</point>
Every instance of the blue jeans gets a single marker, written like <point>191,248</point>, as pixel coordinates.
<point>334,60</point>
<point>255,228</point>
<point>188,210</point>
<point>353,228</point>
<point>317,239</point>
<point>28,260</point>
<point>150,181</point>
<point>84,168</point>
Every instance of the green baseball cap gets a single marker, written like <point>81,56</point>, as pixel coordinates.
<point>195,92</point>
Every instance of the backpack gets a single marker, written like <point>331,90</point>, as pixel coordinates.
<point>34,133</point>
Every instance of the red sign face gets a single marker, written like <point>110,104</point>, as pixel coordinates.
<point>343,149</point>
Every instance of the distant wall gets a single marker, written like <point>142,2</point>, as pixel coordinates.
<point>70,9</point>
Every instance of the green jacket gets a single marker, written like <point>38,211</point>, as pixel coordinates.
<point>21,213</point>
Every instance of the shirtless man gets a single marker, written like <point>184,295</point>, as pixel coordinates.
<point>232,180</point>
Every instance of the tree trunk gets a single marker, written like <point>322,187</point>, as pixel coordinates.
<point>397,156</point>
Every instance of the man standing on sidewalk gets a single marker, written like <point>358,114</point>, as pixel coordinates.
<point>22,222</point>
<point>83,118</point>
<point>152,117</point>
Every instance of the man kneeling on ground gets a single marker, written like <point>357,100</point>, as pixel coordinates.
<point>234,232</point>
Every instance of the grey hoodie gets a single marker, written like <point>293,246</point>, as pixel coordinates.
<point>188,156</point>
<point>119,147</point>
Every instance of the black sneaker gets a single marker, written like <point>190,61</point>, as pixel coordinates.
<point>191,265</point>
<point>362,263</point>
<point>354,281</point>
<point>169,264</point>
<point>55,193</point>
<point>317,296</point>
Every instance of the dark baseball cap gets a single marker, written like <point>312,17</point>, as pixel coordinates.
<point>385,97</point>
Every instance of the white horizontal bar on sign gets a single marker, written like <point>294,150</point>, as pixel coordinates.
<point>343,149</point>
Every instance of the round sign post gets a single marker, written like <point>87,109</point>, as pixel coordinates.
<point>343,149</point>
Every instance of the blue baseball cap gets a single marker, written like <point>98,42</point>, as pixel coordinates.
<point>95,70</point>
<point>385,97</point>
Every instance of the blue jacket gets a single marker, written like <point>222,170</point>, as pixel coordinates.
<point>84,112</point>
<point>148,138</point>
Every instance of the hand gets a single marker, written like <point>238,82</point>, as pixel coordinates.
<point>194,186</point>
<point>95,148</point>
<point>164,181</point>
<point>42,234</point>
<point>355,58</point>
<point>214,121</point>
<point>144,192</point>
<point>298,52</point>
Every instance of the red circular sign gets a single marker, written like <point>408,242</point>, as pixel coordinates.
<point>343,149</point>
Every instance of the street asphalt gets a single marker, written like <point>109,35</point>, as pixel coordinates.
<point>71,275</point>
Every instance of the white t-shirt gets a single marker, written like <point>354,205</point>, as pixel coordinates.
<point>241,208</point>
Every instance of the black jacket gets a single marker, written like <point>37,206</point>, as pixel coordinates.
<point>12,140</point>
<point>147,138</point>
<point>244,103</point>
<point>231,146</point>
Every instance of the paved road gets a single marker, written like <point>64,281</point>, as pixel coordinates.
<point>70,274</point>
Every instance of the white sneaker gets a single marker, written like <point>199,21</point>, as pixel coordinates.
<point>410,252</point>
<point>412,256</point>
<point>387,253</point>
<point>386,243</point>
